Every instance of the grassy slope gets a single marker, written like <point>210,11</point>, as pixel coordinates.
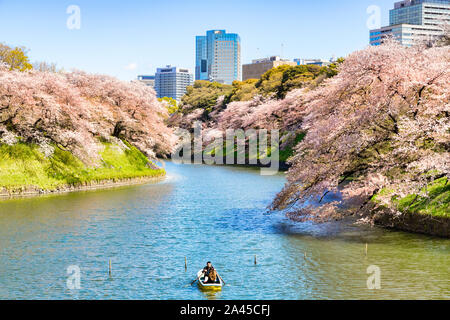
<point>24,166</point>
<point>437,205</point>
<point>284,154</point>
<point>289,150</point>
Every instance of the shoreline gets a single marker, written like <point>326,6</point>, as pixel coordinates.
<point>30,192</point>
<point>382,217</point>
<point>412,222</point>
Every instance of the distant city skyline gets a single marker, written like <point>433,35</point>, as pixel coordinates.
<point>127,39</point>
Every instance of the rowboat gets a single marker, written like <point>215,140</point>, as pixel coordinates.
<point>217,286</point>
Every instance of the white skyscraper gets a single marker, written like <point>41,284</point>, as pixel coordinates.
<point>172,82</point>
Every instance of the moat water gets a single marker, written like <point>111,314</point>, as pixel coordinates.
<point>204,213</point>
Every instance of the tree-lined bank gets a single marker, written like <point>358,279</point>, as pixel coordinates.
<point>374,129</point>
<point>63,130</point>
<point>377,133</point>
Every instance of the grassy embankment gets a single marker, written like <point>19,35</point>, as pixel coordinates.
<point>436,205</point>
<point>23,166</point>
<point>285,152</point>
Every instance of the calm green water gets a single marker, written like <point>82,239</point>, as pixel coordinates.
<point>204,213</point>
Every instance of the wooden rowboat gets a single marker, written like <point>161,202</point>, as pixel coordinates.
<point>217,286</point>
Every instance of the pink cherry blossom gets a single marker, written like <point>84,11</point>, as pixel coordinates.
<point>383,120</point>
<point>74,110</point>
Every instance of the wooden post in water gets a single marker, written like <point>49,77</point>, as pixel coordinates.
<point>185,264</point>
<point>110,268</point>
<point>305,254</point>
<point>256,262</point>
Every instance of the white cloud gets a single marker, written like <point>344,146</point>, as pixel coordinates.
<point>131,66</point>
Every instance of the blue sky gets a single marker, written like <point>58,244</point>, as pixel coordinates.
<point>127,38</point>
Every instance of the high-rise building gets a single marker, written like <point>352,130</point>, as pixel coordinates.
<point>420,12</point>
<point>258,67</point>
<point>201,59</point>
<point>172,82</point>
<point>414,20</point>
<point>147,80</point>
<point>218,57</point>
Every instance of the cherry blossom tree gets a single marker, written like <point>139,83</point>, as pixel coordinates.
<point>380,127</point>
<point>75,110</point>
<point>383,121</point>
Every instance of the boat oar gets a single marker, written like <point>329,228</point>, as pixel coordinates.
<point>196,279</point>
<point>221,279</point>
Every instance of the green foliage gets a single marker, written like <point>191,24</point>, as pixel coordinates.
<point>438,203</point>
<point>24,166</point>
<point>243,90</point>
<point>272,80</point>
<point>16,58</point>
<point>280,80</point>
<point>297,77</point>
<point>275,82</point>
<point>332,70</point>
<point>171,104</point>
<point>289,149</point>
<point>118,164</point>
<point>204,94</point>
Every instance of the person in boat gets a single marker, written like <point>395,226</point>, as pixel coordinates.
<point>210,273</point>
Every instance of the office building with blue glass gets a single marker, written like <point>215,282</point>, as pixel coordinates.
<point>414,20</point>
<point>218,57</point>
